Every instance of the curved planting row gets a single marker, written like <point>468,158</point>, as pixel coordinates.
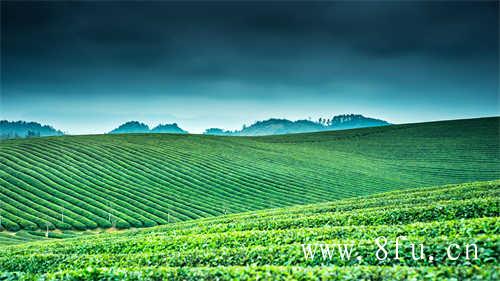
<point>247,245</point>
<point>122,181</point>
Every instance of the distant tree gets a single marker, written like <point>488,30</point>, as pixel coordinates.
<point>22,129</point>
<point>32,134</point>
<point>168,128</point>
<point>131,127</point>
<point>216,132</point>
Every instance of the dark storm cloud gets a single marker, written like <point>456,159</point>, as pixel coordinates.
<point>435,29</point>
<point>54,44</point>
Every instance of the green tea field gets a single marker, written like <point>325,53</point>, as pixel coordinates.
<point>269,244</point>
<point>169,140</point>
<point>140,180</point>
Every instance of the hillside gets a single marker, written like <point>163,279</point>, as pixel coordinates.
<point>275,126</point>
<point>131,127</point>
<point>270,244</point>
<point>22,129</point>
<point>135,127</point>
<point>138,180</point>
<point>271,127</point>
<point>353,121</point>
<point>168,129</point>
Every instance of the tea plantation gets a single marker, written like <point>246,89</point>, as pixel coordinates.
<point>73,183</point>
<point>267,244</point>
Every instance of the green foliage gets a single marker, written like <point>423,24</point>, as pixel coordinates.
<point>269,273</point>
<point>278,192</point>
<point>267,244</point>
<point>22,129</point>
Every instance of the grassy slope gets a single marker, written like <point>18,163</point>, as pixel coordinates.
<point>266,244</point>
<point>145,180</point>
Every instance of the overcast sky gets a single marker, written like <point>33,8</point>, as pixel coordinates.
<point>86,67</point>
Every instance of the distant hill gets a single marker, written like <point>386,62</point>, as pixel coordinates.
<point>280,127</point>
<point>284,126</point>
<point>22,129</point>
<point>353,121</point>
<point>133,127</point>
<point>217,132</point>
<point>169,129</point>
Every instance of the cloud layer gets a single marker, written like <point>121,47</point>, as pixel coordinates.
<point>394,52</point>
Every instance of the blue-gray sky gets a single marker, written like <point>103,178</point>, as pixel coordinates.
<point>86,67</point>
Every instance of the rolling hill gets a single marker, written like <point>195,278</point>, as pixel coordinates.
<point>141,180</point>
<point>269,244</point>
<point>275,126</point>
<point>22,129</point>
<point>134,127</point>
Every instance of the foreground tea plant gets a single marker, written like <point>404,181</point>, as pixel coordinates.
<point>269,244</point>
